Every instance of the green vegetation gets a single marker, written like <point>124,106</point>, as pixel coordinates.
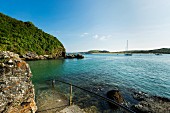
<point>21,37</point>
<point>98,51</point>
<point>161,51</point>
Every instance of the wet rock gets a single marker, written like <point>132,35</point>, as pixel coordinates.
<point>116,96</point>
<point>140,96</point>
<point>79,56</point>
<point>49,101</point>
<point>71,56</point>
<point>151,104</point>
<point>16,87</point>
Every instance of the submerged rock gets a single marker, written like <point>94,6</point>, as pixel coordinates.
<point>16,89</point>
<point>50,101</point>
<point>72,109</point>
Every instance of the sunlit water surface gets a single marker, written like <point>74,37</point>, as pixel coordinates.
<point>142,72</point>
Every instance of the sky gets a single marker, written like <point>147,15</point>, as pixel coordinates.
<point>83,25</point>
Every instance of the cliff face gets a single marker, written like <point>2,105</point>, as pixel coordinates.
<point>16,89</point>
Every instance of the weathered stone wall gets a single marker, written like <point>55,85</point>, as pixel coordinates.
<point>16,89</point>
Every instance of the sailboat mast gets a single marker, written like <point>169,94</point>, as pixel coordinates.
<point>127,52</point>
<point>127,45</point>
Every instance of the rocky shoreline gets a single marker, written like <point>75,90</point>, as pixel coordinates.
<point>33,56</point>
<point>150,104</point>
<point>29,56</point>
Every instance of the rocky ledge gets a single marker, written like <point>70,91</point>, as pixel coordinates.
<point>16,89</point>
<point>150,104</point>
<point>33,56</point>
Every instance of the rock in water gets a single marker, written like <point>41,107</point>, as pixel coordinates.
<point>79,56</point>
<point>116,96</point>
<point>150,104</point>
<point>71,56</point>
<point>16,89</point>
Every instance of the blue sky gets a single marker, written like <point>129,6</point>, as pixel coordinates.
<point>83,25</point>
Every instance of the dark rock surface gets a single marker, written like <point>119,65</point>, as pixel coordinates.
<point>16,89</point>
<point>151,104</point>
<point>116,96</point>
<point>71,56</point>
<point>79,56</point>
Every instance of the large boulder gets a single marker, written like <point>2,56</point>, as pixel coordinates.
<point>71,56</point>
<point>116,96</point>
<point>79,56</point>
<point>16,89</point>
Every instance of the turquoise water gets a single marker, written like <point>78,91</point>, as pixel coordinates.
<point>103,72</point>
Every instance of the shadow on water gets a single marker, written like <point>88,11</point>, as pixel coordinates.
<point>45,69</point>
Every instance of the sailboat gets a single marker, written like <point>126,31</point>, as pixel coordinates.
<point>127,53</point>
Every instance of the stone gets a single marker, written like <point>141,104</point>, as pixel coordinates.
<point>79,56</point>
<point>16,87</point>
<point>71,56</point>
<point>72,109</point>
<point>151,104</point>
<point>91,109</point>
<point>140,95</point>
<point>116,96</point>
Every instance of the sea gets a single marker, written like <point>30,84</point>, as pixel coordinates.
<point>101,73</point>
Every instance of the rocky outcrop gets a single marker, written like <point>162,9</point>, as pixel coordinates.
<point>71,56</point>
<point>33,56</point>
<point>150,104</point>
<point>16,89</point>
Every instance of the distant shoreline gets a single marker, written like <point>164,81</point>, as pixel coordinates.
<point>118,53</point>
<point>155,51</point>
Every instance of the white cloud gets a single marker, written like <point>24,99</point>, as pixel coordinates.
<point>84,34</point>
<point>95,36</point>
<point>102,37</point>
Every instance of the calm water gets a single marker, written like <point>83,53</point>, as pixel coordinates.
<point>148,73</point>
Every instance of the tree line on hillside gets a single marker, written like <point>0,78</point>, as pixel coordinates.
<point>21,37</point>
